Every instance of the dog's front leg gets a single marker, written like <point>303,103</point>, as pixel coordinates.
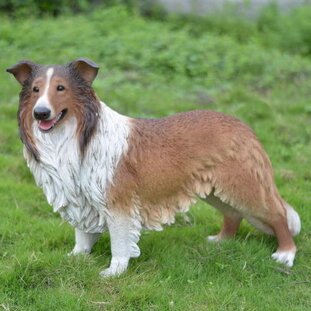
<point>124,232</point>
<point>84,242</point>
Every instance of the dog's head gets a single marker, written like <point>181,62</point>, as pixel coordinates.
<point>52,94</point>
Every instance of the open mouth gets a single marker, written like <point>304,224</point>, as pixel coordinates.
<point>48,125</point>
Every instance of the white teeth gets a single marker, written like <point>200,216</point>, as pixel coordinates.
<point>59,116</point>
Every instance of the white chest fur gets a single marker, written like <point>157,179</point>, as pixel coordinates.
<point>76,188</point>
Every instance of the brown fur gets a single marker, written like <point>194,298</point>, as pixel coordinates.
<point>173,161</point>
<point>78,97</point>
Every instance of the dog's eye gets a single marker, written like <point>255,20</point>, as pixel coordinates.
<point>60,88</point>
<point>35,89</point>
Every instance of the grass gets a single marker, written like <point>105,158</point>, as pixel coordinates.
<point>150,68</point>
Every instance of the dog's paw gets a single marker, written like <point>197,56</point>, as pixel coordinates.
<point>109,272</point>
<point>214,238</point>
<point>118,265</point>
<point>79,251</point>
<point>284,257</point>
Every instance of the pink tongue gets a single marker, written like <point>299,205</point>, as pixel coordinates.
<point>46,125</point>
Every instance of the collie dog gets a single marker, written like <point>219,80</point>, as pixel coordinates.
<point>104,171</point>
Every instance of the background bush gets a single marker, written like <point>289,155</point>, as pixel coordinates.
<point>290,32</point>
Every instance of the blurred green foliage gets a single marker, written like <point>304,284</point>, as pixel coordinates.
<point>39,8</point>
<point>31,8</point>
<point>290,32</point>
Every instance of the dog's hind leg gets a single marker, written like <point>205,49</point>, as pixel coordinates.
<point>124,232</point>
<point>229,228</point>
<point>287,249</point>
<point>282,221</point>
<point>231,222</point>
<point>84,242</point>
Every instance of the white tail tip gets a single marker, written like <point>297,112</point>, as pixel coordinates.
<point>293,220</point>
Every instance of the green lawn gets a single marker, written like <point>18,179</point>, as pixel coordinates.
<point>153,68</point>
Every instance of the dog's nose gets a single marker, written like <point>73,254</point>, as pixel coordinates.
<point>41,113</point>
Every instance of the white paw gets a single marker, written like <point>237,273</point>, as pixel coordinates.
<point>284,257</point>
<point>118,265</point>
<point>78,250</point>
<point>213,238</point>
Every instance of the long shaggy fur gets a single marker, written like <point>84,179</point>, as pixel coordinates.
<point>101,170</point>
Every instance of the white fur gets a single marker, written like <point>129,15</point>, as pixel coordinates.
<point>43,101</point>
<point>124,234</point>
<point>77,189</point>
<point>257,223</point>
<point>214,238</point>
<point>84,242</point>
<point>293,220</point>
<point>284,257</point>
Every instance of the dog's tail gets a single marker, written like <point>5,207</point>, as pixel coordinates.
<point>293,220</point>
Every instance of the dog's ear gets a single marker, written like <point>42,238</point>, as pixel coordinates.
<point>86,68</point>
<point>22,70</point>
